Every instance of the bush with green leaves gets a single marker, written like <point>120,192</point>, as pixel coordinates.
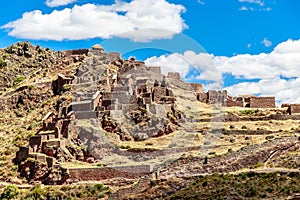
<point>2,63</point>
<point>35,193</point>
<point>66,88</point>
<point>10,192</point>
<point>249,112</point>
<point>18,80</point>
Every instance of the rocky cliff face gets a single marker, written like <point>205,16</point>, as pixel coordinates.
<point>23,61</point>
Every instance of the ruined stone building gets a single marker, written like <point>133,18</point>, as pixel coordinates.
<point>293,109</point>
<point>124,98</point>
<point>247,101</point>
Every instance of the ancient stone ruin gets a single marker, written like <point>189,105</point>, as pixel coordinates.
<point>122,97</point>
<point>293,109</point>
<point>116,98</point>
<point>247,101</point>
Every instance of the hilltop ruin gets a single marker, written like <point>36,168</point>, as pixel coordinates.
<point>113,98</point>
<point>108,92</point>
<point>246,101</point>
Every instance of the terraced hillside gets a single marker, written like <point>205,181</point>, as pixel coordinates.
<point>122,130</point>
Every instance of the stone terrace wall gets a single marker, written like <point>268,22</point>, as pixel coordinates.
<point>86,115</point>
<point>102,173</point>
<point>262,102</point>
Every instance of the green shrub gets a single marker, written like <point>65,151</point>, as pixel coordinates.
<point>14,167</point>
<point>249,112</point>
<point>3,158</point>
<point>18,80</point>
<point>259,164</point>
<point>55,195</point>
<point>66,88</point>
<point>99,187</point>
<point>31,87</point>
<point>3,63</point>
<point>244,175</point>
<point>36,192</point>
<point>10,192</point>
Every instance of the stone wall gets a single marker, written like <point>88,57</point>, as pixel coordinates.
<point>81,106</point>
<point>58,84</point>
<point>222,97</point>
<point>174,75</point>
<point>121,96</point>
<point>294,108</point>
<point>76,52</point>
<point>231,102</point>
<point>155,70</point>
<point>197,87</point>
<point>216,96</point>
<point>35,142</point>
<point>86,115</point>
<point>262,102</point>
<point>102,173</point>
<point>22,154</point>
<point>285,105</point>
<point>202,97</point>
<point>158,93</point>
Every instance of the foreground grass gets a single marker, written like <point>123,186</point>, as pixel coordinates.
<point>243,186</point>
<point>39,192</point>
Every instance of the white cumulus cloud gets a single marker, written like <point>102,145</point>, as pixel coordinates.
<point>185,63</point>
<point>278,72</point>
<point>55,3</point>
<point>266,42</point>
<point>143,20</point>
<point>284,61</point>
<point>285,91</point>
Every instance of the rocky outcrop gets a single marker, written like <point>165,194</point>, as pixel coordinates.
<point>23,61</point>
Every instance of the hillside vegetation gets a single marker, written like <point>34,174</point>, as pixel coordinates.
<point>26,96</point>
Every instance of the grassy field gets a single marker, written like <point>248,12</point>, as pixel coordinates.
<point>243,186</point>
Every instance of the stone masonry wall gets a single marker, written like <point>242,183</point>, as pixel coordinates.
<point>231,102</point>
<point>76,52</point>
<point>262,102</point>
<point>174,75</point>
<point>95,174</point>
<point>294,108</point>
<point>197,87</point>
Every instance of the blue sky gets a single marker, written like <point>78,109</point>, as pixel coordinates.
<point>246,46</point>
